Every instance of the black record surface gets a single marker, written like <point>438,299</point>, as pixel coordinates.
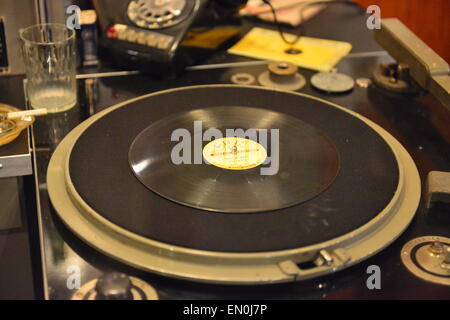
<point>309,160</point>
<point>367,179</point>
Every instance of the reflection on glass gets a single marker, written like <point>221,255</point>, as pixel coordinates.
<point>50,63</point>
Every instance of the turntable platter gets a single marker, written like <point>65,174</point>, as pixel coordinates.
<point>357,188</point>
<point>366,183</point>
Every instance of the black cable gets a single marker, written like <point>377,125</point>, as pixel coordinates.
<point>278,24</point>
<point>307,5</point>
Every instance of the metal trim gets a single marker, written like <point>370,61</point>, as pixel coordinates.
<point>16,165</point>
<point>40,224</point>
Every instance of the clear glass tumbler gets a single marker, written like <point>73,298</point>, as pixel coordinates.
<point>50,63</point>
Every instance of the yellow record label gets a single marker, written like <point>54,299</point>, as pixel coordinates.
<point>234,153</point>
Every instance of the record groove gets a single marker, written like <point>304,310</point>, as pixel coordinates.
<point>302,161</point>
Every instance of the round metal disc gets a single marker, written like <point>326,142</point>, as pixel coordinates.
<point>423,263</point>
<point>332,82</point>
<point>242,78</point>
<point>308,159</point>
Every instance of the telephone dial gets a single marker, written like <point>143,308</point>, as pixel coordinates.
<point>164,36</point>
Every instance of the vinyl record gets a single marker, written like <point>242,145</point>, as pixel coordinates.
<point>265,161</point>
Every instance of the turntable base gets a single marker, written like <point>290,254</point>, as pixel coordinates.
<point>374,205</point>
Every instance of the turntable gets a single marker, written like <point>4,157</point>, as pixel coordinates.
<point>204,222</point>
<point>309,193</point>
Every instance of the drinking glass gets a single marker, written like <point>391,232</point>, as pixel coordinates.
<point>50,63</point>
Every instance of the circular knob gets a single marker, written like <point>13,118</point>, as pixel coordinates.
<point>282,72</point>
<point>114,286</point>
<point>282,75</point>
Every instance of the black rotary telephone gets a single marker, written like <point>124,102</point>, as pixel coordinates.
<point>164,36</point>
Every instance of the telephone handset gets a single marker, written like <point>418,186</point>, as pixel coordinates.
<point>164,36</point>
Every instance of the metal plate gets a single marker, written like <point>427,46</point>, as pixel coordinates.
<point>423,265</point>
<point>332,82</point>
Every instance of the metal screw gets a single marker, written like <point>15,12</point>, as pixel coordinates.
<point>436,248</point>
<point>327,258</point>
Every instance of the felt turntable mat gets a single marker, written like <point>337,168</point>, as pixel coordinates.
<point>366,181</point>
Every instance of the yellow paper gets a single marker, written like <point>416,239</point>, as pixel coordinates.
<point>316,54</point>
<point>210,39</point>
